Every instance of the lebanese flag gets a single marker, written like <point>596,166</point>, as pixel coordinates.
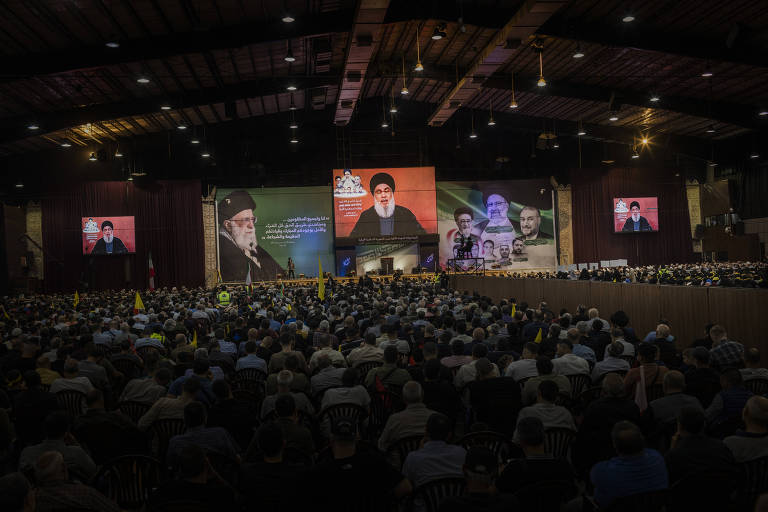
<point>151,273</point>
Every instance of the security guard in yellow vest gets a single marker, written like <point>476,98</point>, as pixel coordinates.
<point>224,298</point>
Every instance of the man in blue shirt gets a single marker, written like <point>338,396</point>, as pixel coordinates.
<point>436,459</point>
<point>636,469</point>
<point>251,360</point>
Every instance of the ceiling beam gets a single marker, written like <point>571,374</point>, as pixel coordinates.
<point>718,111</point>
<point>168,45</point>
<point>508,40</point>
<point>15,128</point>
<point>363,43</point>
<point>635,37</point>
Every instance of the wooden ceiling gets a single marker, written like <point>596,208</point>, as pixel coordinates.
<point>212,61</point>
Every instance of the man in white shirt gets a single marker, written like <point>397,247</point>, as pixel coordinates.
<point>618,337</point>
<point>366,352</point>
<point>526,367</point>
<point>336,357</point>
<point>468,372</point>
<point>71,380</point>
<point>568,363</point>
<point>611,362</point>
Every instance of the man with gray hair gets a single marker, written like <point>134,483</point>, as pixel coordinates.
<point>327,376</point>
<point>618,337</point>
<point>410,422</point>
<point>611,362</point>
<point>284,382</point>
<point>55,491</point>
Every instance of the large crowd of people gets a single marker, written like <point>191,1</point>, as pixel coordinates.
<point>382,395</point>
<point>728,274</point>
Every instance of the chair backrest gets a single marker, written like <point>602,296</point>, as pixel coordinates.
<point>754,481</point>
<point>351,411</point>
<point>652,501</point>
<point>522,382</point>
<point>363,369</point>
<point>128,480</point>
<point>142,352</point>
<point>249,378</point>
<point>557,441</point>
<point>71,401</point>
<point>383,404</point>
<point>579,383</point>
<point>127,367</point>
<point>399,450</point>
<point>545,495</point>
<point>134,410</point>
<point>497,442</point>
<point>758,386</point>
<point>432,494</point>
<point>163,430</point>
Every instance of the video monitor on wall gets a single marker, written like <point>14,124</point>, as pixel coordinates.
<point>261,229</point>
<point>509,225</point>
<point>108,235</point>
<point>635,214</point>
<point>374,206</point>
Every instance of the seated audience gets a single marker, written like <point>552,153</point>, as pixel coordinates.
<point>546,372</point>
<point>525,367</point>
<point>752,367</point>
<point>214,440</point>
<point>729,403</point>
<point>436,458</point>
<point>551,415</point>
<point>702,381</point>
<point>568,363</point>
<point>648,371</point>
<point>665,409</point>
<point>481,469</point>
<point>612,362</point>
<point>411,421</point>
<point>55,491</point>
<point>751,442</point>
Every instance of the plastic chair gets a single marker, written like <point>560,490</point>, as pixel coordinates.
<point>545,496</point>
<point>351,411</point>
<point>579,383</point>
<point>134,410</point>
<point>758,386</point>
<point>399,450</point>
<point>162,431</point>
<point>129,480</point>
<point>754,481</point>
<point>127,367</point>
<point>497,442</point>
<point>652,501</point>
<point>429,496</point>
<point>72,401</point>
<point>557,441</point>
<point>142,352</point>
<point>363,369</point>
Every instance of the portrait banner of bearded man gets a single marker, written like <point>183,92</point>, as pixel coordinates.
<point>385,217</point>
<point>239,249</point>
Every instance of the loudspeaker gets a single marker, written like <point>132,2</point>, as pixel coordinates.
<point>699,232</point>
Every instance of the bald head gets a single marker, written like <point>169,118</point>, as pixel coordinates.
<point>412,392</point>
<point>756,415</point>
<point>674,382</point>
<point>613,386</point>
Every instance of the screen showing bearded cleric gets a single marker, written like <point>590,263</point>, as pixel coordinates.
<point>264,233</point>
<point>103,236</point>
<point>509,224</point>
<point>382,205</point>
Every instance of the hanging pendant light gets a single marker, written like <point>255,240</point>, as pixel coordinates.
<point>513,103</point>
<point>419,66</point>
<point>404,90</point>
<point>491,122</point>
<point>541,82</point>
<point>472,133</point>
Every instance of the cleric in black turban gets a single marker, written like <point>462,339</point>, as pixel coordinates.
<point>385,218</point>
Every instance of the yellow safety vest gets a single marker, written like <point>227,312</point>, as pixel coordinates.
<point>224,298</point>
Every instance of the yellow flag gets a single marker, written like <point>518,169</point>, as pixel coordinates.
<point>514,309</point>
<point>77,299</point>
<point>320,280</point>
<point>139,305</point>
<point>537,339</point>
<point>194,338</point>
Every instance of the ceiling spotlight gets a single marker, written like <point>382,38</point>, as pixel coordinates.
<point>291,87</point>
<point>292,106</point>
<point>513,104</point>
<point>384,123</point>
<point>628,18</point>
<point>556,145</point>
<point>712,164</point>
<point>707,73</point>
<point>404,91</point>
<point>754,155</point>
<point>143,80</point>
<point>19,185</point>
<point>289,56</point>
<point>33,126</point>
<point>194,140</point>
<point>393,109</point>
<point>473,135</point>
<point>66,144</point>
<point>581,130</point>
<point>287,18</point>
<point>763,112</point>
<point>613,117</point>
<point>182,127</point>
<point>92,158</point>
<point>205,154</point>
<point>491,122</point>
<point>711,129</point>
<point>541,82</point>
<point>439,32</point>
<point>118,154</point>
<point>112,44</point>
<point>645,140</point>
<point>130,177</point>
<point>294,140</point>
<point>293,125</point>
<point>654,98</point>
<point>578,53</point>
<point>165,107</point>
<point>419,66</point>
<point>635,154</point>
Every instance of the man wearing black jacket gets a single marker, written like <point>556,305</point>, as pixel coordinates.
<point>385,218</point>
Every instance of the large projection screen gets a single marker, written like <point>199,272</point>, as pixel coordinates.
<point>510,223</point>
<point>260,228</point>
